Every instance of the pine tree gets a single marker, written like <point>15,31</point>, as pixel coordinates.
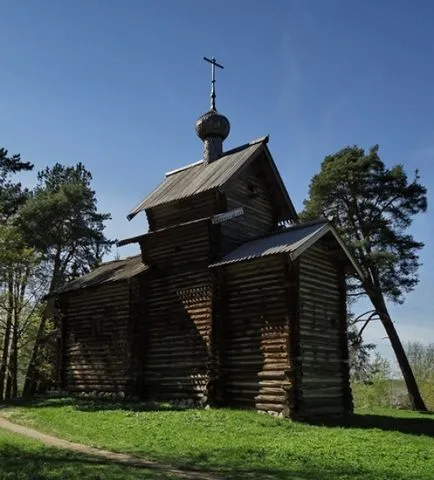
<point>62,222</point>
<point>372,207</point>
<point>12,196</point>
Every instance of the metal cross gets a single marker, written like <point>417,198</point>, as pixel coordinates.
<point>214,64</point>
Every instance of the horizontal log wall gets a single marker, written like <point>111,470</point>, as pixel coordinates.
<point>138,294</point>
<point>255,352</point>
<point>250,192</point>
<point>324,386</point>
<point>182,248</point>
<point>184,210</point>
<point>97,342</point>
<point>178,314</point>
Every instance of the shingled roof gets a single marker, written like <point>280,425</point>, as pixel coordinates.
<point>107,272</point>
<point>201,177</point>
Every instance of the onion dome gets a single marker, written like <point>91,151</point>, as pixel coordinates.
<point>212,124</point>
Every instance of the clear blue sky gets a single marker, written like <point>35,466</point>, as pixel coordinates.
<point>119,85</point>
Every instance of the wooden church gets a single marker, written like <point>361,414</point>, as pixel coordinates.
<point>232,300</point>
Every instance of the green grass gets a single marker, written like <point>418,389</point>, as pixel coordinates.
<point>22,458</point>
<point>375,444</point>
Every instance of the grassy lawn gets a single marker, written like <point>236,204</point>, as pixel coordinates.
<point>25,459</point>
<point>374,445</point>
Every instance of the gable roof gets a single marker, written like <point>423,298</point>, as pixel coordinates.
<point>107,272</point>
<point>201,177</point>
<point>293,241</point>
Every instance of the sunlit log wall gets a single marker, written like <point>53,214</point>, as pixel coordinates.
<point>97,337</point>
<point>284,335</point>
<point>325,387</point>
<point>177,321</point>
<point>181,353</point>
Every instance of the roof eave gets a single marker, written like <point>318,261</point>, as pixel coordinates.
<point>328,228</point>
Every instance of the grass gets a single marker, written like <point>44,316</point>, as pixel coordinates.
<point>375,444</point>
<point>25,459</point>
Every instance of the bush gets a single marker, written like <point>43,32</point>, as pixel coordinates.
<point>377,393</point>
<point>382,392</point>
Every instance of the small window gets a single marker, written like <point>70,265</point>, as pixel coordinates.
<point>97,326</point>
<point>252,190</point>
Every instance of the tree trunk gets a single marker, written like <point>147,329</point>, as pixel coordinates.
<point>31,381</point>
<point>378,302</point>
<point>4,367</point>
<point>14,359</point>
<point>8,391</point>
<point>5,356</point>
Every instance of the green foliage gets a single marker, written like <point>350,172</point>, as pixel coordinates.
<point>15,253</point>
<point>372,206</point>
<point>427,390</point>
<point>21,288</point>
<point>359,354</point>
<point>62,222</point>
<point>389,393</point>
<point>238,444</point>
<point>12,195</point>
<point>374,389</point>
<point>377,393</point>
<point>421,358</point>
<point>48,236</point>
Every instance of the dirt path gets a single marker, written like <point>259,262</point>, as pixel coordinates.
<point>51,441</point>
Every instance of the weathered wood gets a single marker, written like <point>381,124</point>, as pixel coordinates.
<point>250,192</point>
<point>178,320</point>
<point>324,366</point>
<point>97,338</point>
<point>250,324</point>
<point>185,210</point>
<point>266,333</point>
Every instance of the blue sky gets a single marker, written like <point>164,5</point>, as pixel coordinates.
<point>119,85</point>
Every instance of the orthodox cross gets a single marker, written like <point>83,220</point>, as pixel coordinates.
<point>214,64</point>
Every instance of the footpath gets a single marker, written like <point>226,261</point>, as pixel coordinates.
<point>114,457</point>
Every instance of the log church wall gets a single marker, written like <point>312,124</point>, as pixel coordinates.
<point>255,349</point>
<point>178,316</point>
<point>325,385</point>
<point>97,340</point>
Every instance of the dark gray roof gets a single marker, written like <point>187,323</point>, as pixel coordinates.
<point>107,273</point>
<point>282,242</point>
<point>201,177</point>
<point>293,241</point>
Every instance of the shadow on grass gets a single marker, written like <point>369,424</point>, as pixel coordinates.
<point>94,404</point>
<point>407,425</point>
<point>49,464</point>
<point>413,426</point>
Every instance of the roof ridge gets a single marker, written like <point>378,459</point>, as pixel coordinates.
<point>304,224</point>
<point>229,152</point>
<point>185,167</point>
<point>246,145</point>
<point>131,257</point>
